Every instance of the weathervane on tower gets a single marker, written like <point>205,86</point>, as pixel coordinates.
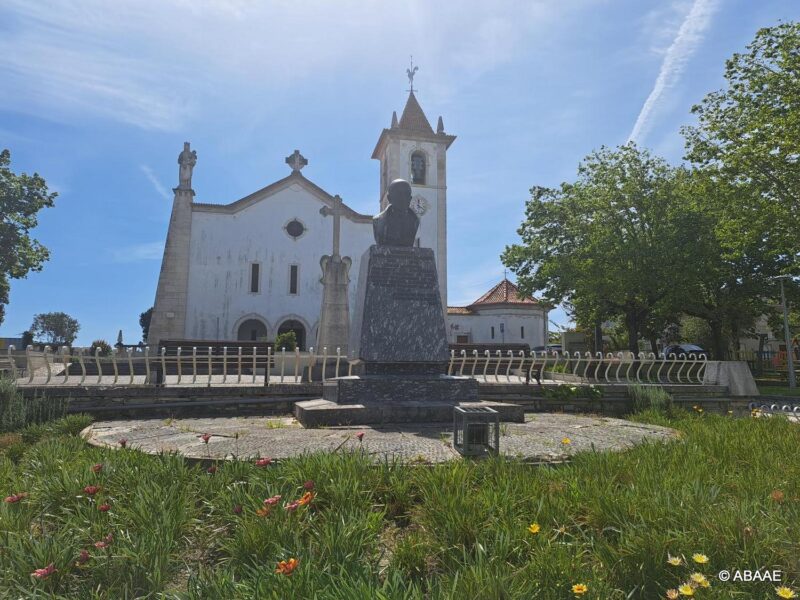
<point>410,72</point>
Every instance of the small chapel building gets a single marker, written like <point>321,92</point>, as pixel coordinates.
<point>251,269</point>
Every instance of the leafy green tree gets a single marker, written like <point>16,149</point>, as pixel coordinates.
<point>144,322</point>
<point>732,276</point>
<point>750,133</point>
<point>21,198</point>
<point>56,328</point>
<point>615,242</point>
<point>286,340</point>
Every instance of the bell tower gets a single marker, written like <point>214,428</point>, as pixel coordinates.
<point>409,149</point>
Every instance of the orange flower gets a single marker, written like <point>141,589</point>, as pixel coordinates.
<point>285,567</point>
<point>778,496</point>
<point>264,511</point>
<point>306,498</point>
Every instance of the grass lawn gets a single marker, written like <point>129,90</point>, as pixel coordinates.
<point>729,489</point>
<point>776,390</point>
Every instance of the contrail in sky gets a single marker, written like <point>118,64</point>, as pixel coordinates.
<point>689,37</point>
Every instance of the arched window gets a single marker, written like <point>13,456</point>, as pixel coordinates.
<point>418,168</point>
<point>252,330</point>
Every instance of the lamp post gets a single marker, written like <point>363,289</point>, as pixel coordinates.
<point>787,336</point>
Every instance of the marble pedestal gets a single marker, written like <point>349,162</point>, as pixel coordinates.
<point>400,340</point>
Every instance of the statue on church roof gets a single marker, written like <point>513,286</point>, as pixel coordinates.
<point>187,160</point>
<point>397,224</point>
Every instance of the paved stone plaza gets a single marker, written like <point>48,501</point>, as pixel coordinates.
<point>540,439</point>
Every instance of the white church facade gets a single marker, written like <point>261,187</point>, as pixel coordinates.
<point>250,269</point>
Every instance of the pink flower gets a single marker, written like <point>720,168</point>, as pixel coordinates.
<point>109,538</point>
<point>91,490</point>
<point>360,435</point>
<point>44,573</point>
<point>292,506</point>
<point>104,507</point>
<point>237,510</point>
<point>211,470</point>
<point>14,498</point>
<point>98,467</point>
<point>205,437</point>
<point>101,545</point>
<point>272,501</point>
<point>83,557</point>
<point>309,485</point>
<point>263,462</point>
<point>123,442</point>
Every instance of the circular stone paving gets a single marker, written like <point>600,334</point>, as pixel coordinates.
<point>544,437</point>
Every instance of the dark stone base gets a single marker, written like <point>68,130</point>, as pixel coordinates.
<point>323,413</point>
<point>399,368</point>
<point>390,390</point>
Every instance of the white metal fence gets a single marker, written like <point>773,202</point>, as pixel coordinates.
<point>198,365</point>
<point>620,367</point>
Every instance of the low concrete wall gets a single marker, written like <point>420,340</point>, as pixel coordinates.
<point>735,375</point>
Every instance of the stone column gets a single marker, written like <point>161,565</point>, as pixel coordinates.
<point>334,322</point>
<point>169,310</point>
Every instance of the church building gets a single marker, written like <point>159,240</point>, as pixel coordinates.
<point>251,269</point>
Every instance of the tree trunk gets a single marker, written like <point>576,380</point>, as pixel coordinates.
<point>598,336</point>
<point>716,337</point>
<point>632,324</point>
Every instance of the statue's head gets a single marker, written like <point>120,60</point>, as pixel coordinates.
<point>399,194</point>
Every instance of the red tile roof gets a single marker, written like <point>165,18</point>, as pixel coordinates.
<point>413,118</point>
<point>504,292</point>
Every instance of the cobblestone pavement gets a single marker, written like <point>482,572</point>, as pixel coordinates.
<point>543,437</point>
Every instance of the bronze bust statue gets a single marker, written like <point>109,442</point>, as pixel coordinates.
<point>397,225</point>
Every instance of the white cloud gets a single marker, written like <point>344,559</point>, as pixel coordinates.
<point>151,177</point>
<point>689,37</point>
<point>138,252</point>
<point>157,64</point>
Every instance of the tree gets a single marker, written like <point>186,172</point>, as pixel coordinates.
<point>55,328</point>
<point>734,270</point>
<point>144,322</point>
<point>617,242</point>
<point>21,198</point>
<point>750,133</point>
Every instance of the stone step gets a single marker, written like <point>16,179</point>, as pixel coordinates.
<point>324,413</point>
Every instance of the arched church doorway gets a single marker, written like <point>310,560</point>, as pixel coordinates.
<point>252,330</point>
<point>299,331</point>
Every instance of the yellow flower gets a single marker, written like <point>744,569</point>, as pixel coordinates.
<point>675,561</point>
<point>672,594</point>
<point>785,592</point>
<point>700,579</point>
<point>534,528</point>
<point>686,590</point>
<point>566,441</point>
<point>579,589</point>
<point>700,559</point>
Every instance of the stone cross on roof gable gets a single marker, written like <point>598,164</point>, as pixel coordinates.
<point>297,161</point>
<point>336,212</point>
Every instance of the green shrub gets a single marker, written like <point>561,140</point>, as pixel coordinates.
<point>650,398</point>
<point>104,346</point>
<point>286,340</point>
<point>562,393</point>
<point>16,412</point>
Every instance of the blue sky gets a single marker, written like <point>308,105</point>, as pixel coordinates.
<point>98,97</point>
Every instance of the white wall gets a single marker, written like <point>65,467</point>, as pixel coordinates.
<point>223,247</point>
<point>478,326</point>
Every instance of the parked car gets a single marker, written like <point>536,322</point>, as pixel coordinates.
<point>691,351</point>
<point>548,348</point>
